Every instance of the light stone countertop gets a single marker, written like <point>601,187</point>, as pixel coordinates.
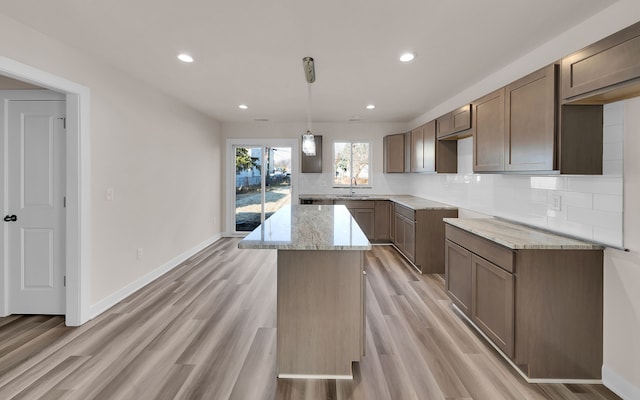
<point>308,227</point>
<point>412,202</point>
<point>516,236</point>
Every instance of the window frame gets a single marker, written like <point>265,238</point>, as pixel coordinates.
<point>369,144</point>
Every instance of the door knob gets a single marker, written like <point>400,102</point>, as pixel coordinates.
<point>10,218</point>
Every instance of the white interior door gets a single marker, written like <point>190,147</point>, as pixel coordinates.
<point>34,221</point>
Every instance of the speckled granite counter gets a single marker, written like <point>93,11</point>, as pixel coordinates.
<point>308,227</point>
<point>412,202</point>
<point>516,236</point>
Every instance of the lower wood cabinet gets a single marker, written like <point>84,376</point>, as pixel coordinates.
<point>457,276</point>
<point>419,236</point>
<point>492,302</point>
<point>382,229</point>
<point>363,211</point>
<point>541,308</point>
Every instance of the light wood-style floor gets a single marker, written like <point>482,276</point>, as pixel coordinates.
<point>206,330</point>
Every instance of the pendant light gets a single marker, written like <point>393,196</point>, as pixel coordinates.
<point>308,141</point>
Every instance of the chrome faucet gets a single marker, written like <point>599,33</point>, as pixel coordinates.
<point>352,183</point>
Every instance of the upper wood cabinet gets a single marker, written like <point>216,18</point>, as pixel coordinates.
<point>521,128</point>
<point>608,70</point>
<point>423,151</point>
<point>530,121</point>
<point>454,122</point>
<point>395,153</point>
<point>312,164</point>
<point>488,137</point>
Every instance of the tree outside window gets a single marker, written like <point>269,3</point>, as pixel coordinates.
<point>351,160</point>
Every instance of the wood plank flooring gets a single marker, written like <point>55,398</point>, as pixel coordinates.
<point>206,330</point>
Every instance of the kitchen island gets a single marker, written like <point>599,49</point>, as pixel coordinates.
<point>320,289</point>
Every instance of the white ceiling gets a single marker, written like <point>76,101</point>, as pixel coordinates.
<point>250,51</point>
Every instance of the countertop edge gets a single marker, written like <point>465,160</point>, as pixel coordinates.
<point>578,244</point>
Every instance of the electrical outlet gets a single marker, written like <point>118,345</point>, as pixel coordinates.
<point>556,202</point>
<point>140,253</point>
<point>109,194</point>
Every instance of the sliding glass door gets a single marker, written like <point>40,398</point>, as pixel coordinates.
<point>262,183</point>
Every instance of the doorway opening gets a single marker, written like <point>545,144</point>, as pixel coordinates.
<point>77,188</point>
<point>261,181</point>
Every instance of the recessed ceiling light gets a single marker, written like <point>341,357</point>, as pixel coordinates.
<point>184,57</point>
<point>406,57</point>
<point>371,107</point>
<point>243,106</point>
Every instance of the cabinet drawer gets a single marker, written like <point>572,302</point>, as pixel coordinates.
<point>356,203</point>
<point>499,255</point>
<point>404,211</point>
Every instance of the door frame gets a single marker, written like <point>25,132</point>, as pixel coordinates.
<point>78,189</point>
<point>231,176</point>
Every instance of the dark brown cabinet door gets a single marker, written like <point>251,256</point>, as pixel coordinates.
<point>492,302</point>
<point>444,125</point>
<point>417,150</point>
<point>458,275</point>
<point>398,231</point>
<point>608,62</point>
<point>423,148</point>
<point>429,146</point>
<point>461,118</point>
<point>394,153</point>
<point>382,221</point>
<point>488,138</point>
<point>453,122</point>
<point>365,217</point>
<point>409,239</point>
<point>530,129</point>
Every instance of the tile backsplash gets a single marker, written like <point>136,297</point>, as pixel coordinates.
<point>588,207</point>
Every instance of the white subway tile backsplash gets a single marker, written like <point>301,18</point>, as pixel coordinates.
<point>614,113</point>
<point>606,202</point>
<point>583,230</point>
<point>608,236</point>
<point>612,167</point>
<point>595,184</point>
<point>612,151</point>
<point>603,219</point>
<point>574,199</point>
<point>548,182</point>
<point>613,134</point>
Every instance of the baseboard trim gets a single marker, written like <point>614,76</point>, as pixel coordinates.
<point>114,298</point>
<point>619,385</point>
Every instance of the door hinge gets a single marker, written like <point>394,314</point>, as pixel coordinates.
<point>64,202</point>
<point>64,122</point>
<point>64,281</point>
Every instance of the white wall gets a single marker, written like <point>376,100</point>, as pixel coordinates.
<point>162,159</point>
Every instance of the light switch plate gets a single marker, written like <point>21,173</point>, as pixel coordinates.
<point>109,194</point>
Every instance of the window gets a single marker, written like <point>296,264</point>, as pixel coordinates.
<point>351,161</point>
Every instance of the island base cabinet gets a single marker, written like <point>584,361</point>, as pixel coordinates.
<point>492,302</point>
<point>320,312</point>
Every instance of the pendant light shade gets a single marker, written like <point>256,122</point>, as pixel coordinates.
<point>308,141</point>
<point>308,144</point>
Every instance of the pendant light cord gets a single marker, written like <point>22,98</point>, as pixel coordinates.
<point>308,107</point>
